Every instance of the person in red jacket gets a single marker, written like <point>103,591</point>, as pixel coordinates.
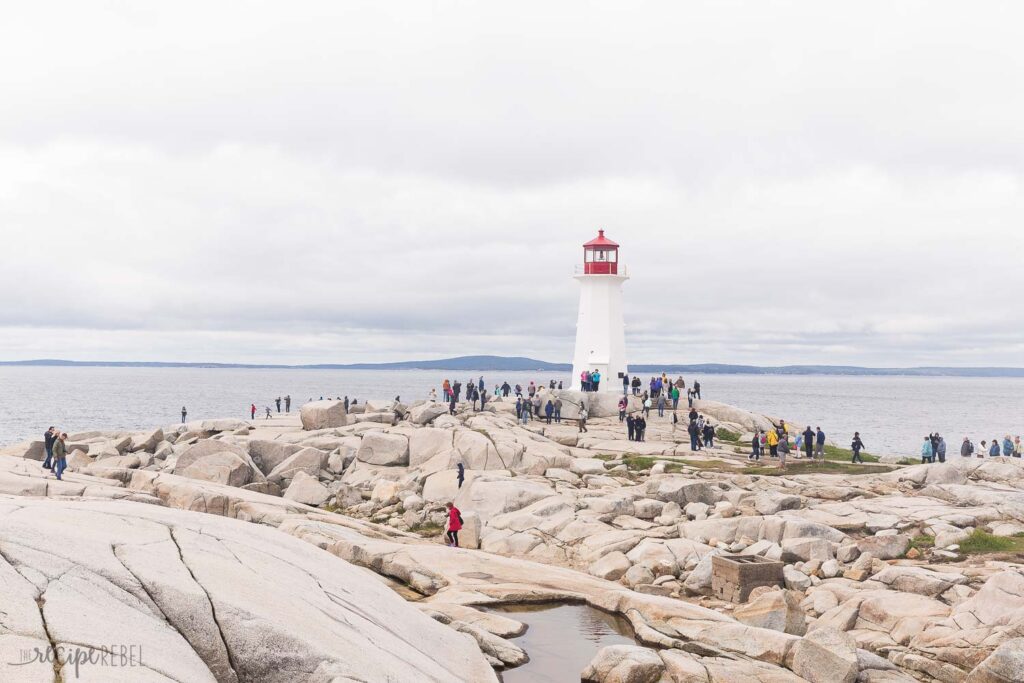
<point>454,525</point>
<point>252,412</point>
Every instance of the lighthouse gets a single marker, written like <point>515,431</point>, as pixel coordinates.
<point>600,331</point>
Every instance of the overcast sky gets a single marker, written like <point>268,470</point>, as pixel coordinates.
<point>791,182</point>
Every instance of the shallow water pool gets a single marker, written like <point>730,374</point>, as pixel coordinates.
<point>561,640</point>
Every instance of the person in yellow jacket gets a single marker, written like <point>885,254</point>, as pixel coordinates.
<point>773,443</point>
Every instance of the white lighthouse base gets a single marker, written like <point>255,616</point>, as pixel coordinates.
<point>600,332</point>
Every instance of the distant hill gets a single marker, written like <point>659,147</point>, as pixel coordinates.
<point>520,364</point>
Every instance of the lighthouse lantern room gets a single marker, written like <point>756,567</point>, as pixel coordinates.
<point>600,330</point>
<point>601,256</point>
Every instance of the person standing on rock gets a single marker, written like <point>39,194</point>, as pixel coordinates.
<point>60,452</point>
<point>857,446</point>
<point>549,410</point>
<point>623,405</point>
<point>966,448</point>
<point>661,404</point>
<point>558,410</point>
<point>595,380</point>
<point>288,403</point>
<point>519,408</point>
<point>184,414</point>
<point>506,389</point>
<point>631,428</point>
<point>625,384</point>
<point>809,437</point>
<point>993,450</point>
<point>674,393</point>
<point>709,435</point>
<point>940,448</point>
<point>525,413</point>
<point>583,419</point>
<point>819,444</point>
<point>926,450</point>
<point>461,474</point>
<point>755,447</point>
<point>536,406</point>
<point>278,402</point>
<point>1016,446</point>
<point>696,390</point>
<point>454,525</point>
<point>783,450</point>
<point>252,411</point>
<point>641,428</point>
<point>773,443</point>
<point>49,436</point>
<point>483,399</point>
<point>1007,446</point>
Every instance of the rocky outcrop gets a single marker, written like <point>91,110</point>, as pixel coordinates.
<point>203,598</point>
<point>323,415</point>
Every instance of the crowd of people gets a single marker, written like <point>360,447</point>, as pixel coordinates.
<point>934,447</point>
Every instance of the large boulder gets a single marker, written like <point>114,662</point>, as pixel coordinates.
<point>721,412</point>
<point>308,490</point>
<point>380,448</point>
<point>611,567</point>
<point>491,495</point>
<point>197,461</point>
<point>269,454</point>
<point>323,415</point>
<point>427,413</point>
<point>624,664</point>
<point>1004,665</point>
<point>223,467</point>
<point>308,460</point>
<point>826,655</point>
<point>147,441</point>
<point>778,610</point>
<point>205,599</point>
<point>885,547</point>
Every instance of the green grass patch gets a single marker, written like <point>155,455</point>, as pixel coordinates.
<point>637,463</point>
<point>983,542</point>
<point>837,454</point>
<point>806,467</point>
<point>709,465</point>
<point>727,435</point>
<point>922,542</point>
<point>427,529</point>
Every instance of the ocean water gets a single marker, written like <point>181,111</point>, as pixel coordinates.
<point>891,413</point>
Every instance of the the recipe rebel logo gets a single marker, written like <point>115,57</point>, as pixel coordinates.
<point>71,659</point>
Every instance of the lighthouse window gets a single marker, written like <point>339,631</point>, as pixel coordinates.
<point>612,256</point>
<point>588,256</point>
<point>600,256</point>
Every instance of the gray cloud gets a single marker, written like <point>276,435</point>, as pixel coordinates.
<point>368,182</point>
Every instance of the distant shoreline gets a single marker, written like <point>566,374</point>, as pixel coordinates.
<point>518,364</point>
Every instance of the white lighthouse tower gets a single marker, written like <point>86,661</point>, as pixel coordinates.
<point>600,331</point>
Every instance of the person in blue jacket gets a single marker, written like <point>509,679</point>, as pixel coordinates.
<point>1007,446</point>
<point>993,450</point>
<point>926,450</point>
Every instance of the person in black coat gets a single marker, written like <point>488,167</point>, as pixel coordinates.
<point>631,427</point>
<point>809,437</point>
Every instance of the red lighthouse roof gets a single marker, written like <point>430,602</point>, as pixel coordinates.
<point>600,241</point>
